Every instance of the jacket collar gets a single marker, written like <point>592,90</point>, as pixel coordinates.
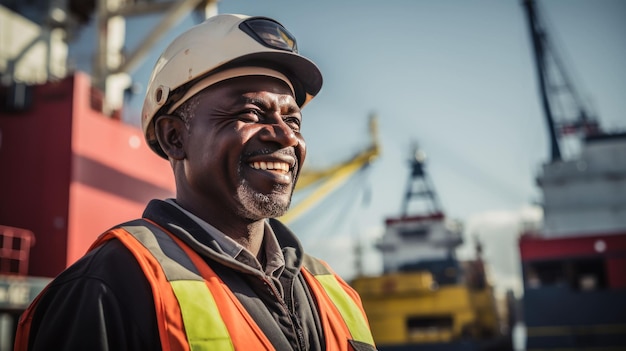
<point>193,234</point>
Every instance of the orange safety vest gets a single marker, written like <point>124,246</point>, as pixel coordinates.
<point>195,310</point>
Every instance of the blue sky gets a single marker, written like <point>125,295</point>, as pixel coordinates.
<point>457,76</point>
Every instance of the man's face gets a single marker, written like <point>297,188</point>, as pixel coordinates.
<point>244,149</point>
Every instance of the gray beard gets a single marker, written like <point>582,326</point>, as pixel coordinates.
<point>255,205</point>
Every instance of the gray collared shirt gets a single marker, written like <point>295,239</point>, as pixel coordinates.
<point>274,259</point>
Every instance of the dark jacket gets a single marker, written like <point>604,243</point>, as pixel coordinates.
<point>104,302</point>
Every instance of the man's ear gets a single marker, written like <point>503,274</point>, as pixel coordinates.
<point>171,134</point>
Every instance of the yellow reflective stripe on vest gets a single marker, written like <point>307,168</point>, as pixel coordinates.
<point>204,326</point>
<point>350,312</point>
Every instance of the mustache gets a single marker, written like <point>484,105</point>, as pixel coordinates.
<point>267,151</point>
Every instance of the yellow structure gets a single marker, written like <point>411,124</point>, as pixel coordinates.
<point>333,177</point>
<point>410,307</point>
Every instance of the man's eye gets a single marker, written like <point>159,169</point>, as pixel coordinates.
<point>293,122</point>
<point>251,115</point>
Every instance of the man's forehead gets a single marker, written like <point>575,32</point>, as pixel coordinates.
<point>256,84</point>
<point>253,78</point>
<point>255,90</point>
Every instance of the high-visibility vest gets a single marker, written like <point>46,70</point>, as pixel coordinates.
<point>196,311</point>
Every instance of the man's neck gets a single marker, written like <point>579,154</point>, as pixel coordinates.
<point>251,237</point>
<point>247,233</point>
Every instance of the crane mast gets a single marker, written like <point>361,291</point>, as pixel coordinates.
<point>419,188</point>
<point>556,88</point>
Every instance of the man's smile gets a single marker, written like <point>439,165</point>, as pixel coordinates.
<point>279,172</point>
<point>281,167</point>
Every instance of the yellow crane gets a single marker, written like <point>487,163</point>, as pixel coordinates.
<point>329,179</point>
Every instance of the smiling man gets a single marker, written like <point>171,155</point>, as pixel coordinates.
<point>211,269</point>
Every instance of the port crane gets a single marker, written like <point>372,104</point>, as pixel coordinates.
<point>564,110</point>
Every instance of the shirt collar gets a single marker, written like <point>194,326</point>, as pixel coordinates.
<point>275,260</point>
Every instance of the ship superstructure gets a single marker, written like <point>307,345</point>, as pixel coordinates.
<point>574,267</point>
<point>426,298</point>
<point>421,238</point>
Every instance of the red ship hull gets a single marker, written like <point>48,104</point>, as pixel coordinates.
<point>69,172</point>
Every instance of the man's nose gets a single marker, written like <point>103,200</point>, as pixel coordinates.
<point>281,133</point>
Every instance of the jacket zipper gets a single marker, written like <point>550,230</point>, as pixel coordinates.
<point>295,325</point>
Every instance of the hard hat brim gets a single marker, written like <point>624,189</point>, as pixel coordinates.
<point>304,75</point>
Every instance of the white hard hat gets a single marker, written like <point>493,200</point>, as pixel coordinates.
<point>215,47</point>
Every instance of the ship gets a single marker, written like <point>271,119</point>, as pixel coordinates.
<point>574,263</point>
<point>71,167</point>
<point>426,298</point>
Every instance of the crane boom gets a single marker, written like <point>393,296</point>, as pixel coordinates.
<point>332,177</point>
<point>538,38</point>
<point>555,87</point>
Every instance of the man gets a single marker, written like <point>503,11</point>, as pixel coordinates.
<point>211,269</point>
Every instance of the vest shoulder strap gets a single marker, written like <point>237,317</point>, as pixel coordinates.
<point>188,299</point>
<point>315,266</point>
<point>345,300</point>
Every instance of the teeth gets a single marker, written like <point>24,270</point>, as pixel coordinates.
<point>278,166</point>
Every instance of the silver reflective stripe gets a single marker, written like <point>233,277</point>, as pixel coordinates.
<point>175,262</point>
